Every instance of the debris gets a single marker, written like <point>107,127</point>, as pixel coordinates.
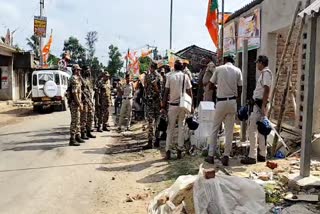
<point>272,165</point>
<point>90,181</point>
<point>141,196</point>
<point>297,209</point>
<point>311,181</point>
<point>301,197</point>
<point>129,199</point>
<point>209,173</point>
<point>113,178</point>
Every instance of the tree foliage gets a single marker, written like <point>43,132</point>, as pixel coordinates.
<point>115,61</point>
<point>145,63</point>
<point>91,39</point>
<point>53,60</point>
<point>34,43</point>
<point>76,50</point>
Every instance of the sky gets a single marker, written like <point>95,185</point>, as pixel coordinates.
<point>125,23</point>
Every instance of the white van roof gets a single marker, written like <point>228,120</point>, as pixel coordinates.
<point>51,71</point>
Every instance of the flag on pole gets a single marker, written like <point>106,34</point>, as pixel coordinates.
<point>46,50</point>
<point>212,22</point>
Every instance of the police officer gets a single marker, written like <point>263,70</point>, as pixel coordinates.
<point>74,94</point>
<point>153,103</point>
<point>97,105</point>
<point>260,97</point>
<point>87,112</point>
<point>127,102</point>
<point>208,91</point>
<point>105,100</point>
<point>228,80</point>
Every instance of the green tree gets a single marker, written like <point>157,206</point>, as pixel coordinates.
<point>34,43</point>
<point>76,50</point>
<point>115,62</point>
<point>145,63</point>
<point>17,47</point>
<point>53,60</point>
<point>91,40</point>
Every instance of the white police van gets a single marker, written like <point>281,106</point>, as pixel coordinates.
<point>49,89</point>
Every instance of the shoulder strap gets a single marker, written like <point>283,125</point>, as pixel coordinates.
<point>184,79</point>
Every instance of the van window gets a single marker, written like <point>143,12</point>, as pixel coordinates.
<point>43,78</point>
<point>64,80</point>
<point>35,80</point>
<point>57,79</point>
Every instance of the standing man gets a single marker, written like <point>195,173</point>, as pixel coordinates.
<point>87,112</point>
<point>228,80</point>
<point>261,97</point>
<point>174,86</point>
<point>153,102</point>
<point>105,101</point>
<point>126,107</point>
<point>208,90</point>
<point>74,93</point>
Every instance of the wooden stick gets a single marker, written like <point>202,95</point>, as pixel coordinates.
<point>284,54</point>
<point>282,110</point>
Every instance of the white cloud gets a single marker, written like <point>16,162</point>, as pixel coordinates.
<point>126,23</point>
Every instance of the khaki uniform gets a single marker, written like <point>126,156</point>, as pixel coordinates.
<point>87,113</point>
<point>265,79</point>
<point>105,101</point>
<point>75,85</point>
<point>126,107</point>
<point>227,78</point>
<point>175,83</point>
<point>208,93</point>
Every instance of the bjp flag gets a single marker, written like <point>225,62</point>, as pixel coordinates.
<point>46,50</point>
<point>212,22</point>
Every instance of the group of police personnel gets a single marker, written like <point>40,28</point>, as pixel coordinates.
<point>163,88</point>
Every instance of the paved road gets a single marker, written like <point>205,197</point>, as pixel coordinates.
<point>39,173</point>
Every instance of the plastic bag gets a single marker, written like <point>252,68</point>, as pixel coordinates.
<point>227,195</point>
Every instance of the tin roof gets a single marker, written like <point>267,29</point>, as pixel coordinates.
<point>244,9</point>
<point>313,8</point>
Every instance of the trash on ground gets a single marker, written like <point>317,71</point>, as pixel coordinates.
<point>303,197</point>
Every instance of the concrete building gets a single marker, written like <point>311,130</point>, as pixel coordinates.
<point>15,73</point>
<point>273,25</point>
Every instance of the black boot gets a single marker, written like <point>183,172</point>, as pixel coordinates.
<point>157,143</point>
<point>148,146</point>
<point>90,135</point>
<point>84,136</point>
<point>168,155</point>
<point>78,139</point>
<point>73,141</point>
<point>105,128</point>
<point>179,154</point>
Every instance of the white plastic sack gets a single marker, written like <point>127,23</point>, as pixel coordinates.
<point>179,192</point>
<point>228,195</point>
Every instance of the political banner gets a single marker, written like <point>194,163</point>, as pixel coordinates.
<point>229,41</point>
<point>250,28</point>
<point>40,26</point>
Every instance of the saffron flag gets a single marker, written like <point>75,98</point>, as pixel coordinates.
<point>46,50</point>
<point>212,22</point>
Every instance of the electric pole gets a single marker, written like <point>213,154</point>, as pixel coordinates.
<point>40,38</point>
<point>222,33</point>
<point>171,11</point>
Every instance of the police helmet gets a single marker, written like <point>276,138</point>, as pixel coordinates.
<point>243,113</point>
<point>192,123</point>
<point>264,127</point>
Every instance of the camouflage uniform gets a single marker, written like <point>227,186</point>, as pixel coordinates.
<point>153,101</point>
<point>105,101</point>
<point>75,86</point>
<point>87,113</point>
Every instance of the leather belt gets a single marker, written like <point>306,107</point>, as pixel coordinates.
<point>174,104</point>
<point>127,98</point>
<point>227,98</point>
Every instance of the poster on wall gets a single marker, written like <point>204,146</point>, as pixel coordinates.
<point>250,28</point>
<point>4,78</point>
<point>229,43</point>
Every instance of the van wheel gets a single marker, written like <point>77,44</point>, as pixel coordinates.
<point>37,109</point>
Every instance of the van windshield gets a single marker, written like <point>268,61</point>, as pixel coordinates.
<point>43,78</point>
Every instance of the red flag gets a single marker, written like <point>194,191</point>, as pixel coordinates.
<point>46,50</point>
<point>212,21</point>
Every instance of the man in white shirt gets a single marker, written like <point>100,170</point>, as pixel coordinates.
<point>260,96</point>
<point>228,80</point>
<point>173,89</point>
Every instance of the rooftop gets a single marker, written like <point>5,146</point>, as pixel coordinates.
<point>244,9</point>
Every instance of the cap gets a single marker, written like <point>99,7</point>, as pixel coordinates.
<point>186,61</point>
<point>262,59</point>
<point>76,67</point>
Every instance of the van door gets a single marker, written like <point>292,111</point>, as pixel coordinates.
<point>34,89</point>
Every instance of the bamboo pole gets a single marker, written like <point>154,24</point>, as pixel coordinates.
<point>284,54</point>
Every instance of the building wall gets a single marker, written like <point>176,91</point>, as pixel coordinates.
<point>316,111</point>
<point>7,93</point>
